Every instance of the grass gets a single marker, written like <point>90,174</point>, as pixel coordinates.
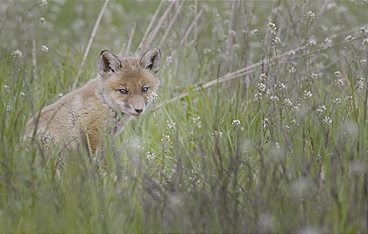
<point>282,148</point>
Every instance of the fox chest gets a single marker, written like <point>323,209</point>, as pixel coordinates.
<point>114,123</point>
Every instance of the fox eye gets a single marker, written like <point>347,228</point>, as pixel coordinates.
<point>123,91</point>
<point>145,89</point>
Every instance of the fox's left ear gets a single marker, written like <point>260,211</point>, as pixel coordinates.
<point>151,60</point>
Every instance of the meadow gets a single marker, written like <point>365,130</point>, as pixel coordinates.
<point>259,126</point>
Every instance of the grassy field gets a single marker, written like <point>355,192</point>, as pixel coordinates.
<point>282,147</point>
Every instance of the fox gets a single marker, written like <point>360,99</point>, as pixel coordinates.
<point>123,89</point>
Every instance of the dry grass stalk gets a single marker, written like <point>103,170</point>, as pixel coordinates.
<point>189,30</point>
<point>34,59</point>
<point>157,27</point>
<point>127,49</point>
<point>150,26</point>
<point>91,38</point>
<point>171,24</point>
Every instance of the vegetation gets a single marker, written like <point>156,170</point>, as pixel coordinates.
<point>282,147</point>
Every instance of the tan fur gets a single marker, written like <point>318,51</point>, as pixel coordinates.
<point>98,109</point>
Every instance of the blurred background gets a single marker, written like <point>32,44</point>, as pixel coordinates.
<point>260,124</point>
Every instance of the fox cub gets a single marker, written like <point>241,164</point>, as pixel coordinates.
<point>123,89</point>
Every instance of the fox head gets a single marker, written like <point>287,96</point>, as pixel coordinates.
<point>129,84</point>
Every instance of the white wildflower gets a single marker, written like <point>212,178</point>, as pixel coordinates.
<point>261,87</point>
<point>314,76</point>
<point>291,53</point>
<point>150,156</point>
<point>276,41</point>
<point>339,82</point>
<point>8,108</point>
<point>339,78</point>
<point>312,42</point>
<point>44,2</point>
<point>287,128</point>
<point>43,20</point>
<point>22,94</point>
<point>254,31</point>
<point>170,124</point>
<point>363,30</point>
<point>16,53</point>
<point>6,87</point>
<point>327,42</point>
<point>307,94</point>
<point>287,102</point>
<point>217,133</point>
<point>321,109</point>
<point>207,51</point>
<point>281,85</point>
<point>197,122</point>
<point>360,84</point>
<point>296,107</point>
<point>265,123</point>
<point>337,100</point>
<point>44,48</point>
<point>310,15</point>
<point>365,42</point>
<point>274,98</point>
<point>154,95</point>
<point>272,26</point>
<point>165,138</point>
<point>169,60</point>
<point>235,122</point>
<point>262,77</point>
<point>292,70</point>
<point>349,38</point>
<point>60,94</point>
<point>338,74</point>
<point>258,95</point>
<point>327,120</point>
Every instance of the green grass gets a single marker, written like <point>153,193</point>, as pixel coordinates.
<point>283,152</point>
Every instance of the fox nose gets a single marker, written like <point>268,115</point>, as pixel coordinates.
<point>138,110</point>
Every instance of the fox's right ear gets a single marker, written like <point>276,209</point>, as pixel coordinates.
<point>108,62</point>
